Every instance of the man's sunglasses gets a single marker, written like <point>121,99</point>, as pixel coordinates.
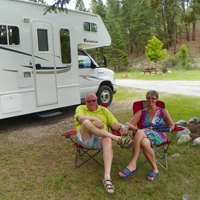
<point>89,101</point>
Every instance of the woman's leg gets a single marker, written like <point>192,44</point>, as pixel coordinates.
<point>140,135</point>
<point>149,154</point>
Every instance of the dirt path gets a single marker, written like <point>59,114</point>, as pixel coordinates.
<point>29,129</point>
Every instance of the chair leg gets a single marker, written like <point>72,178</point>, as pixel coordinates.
<point>163,156</point>
<point>90,157</point>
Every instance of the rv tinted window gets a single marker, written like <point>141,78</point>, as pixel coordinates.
<point>86,26</point>
<point>42,40</point>
<point>3,35</point>
<point>93,27</point>
<point>83,60</point>
<point>65,46</point>
<point>13,33</point>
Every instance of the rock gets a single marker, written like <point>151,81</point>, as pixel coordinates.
<point>184,138</point>
<point>186,131</point>
<point>175,155</point>
<point>182,123</point>
<point>196,141</point>
<point>194,120</point>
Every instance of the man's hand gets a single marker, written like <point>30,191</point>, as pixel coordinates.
<point>123,130</point>
<point>98,123</point>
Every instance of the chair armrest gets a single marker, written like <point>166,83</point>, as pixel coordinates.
<point>69,133</point>
<point>178,128</point>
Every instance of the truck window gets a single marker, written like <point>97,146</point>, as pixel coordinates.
<point>42,40</point>
<point>83,60</point>
<point>65,46</point>
<point>12,38</point>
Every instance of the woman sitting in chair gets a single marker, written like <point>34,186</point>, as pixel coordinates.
<point>146,138</point>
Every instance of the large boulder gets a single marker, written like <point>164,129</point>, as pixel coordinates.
<point>194,120</point>
<point>181,123</point>
<point>196,140</point>
<point>184,138</point>
<point>186,131</point>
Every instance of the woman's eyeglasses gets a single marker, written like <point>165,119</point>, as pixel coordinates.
<point>91,101</point>
<point>153,98</point>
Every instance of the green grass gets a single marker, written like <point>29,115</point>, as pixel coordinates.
<point>45,169</point>
<point>179,106</point>
<point>186,75</point>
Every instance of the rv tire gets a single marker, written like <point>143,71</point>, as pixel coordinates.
<point>104,95</point>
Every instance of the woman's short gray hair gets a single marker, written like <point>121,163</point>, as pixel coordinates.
<point>153,92</point>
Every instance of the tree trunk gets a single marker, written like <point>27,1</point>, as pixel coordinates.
<point>188,32</point>
<point>165,30</point>
<point>194,31</point>
<point>180,35</point>
<point>174,38</point>
<point>115,68</point>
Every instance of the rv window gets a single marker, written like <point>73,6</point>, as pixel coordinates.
<point>93,27</point>
<point>86,26</point>
<point>65,46</point>
<point>13,33</point>
<point>83,60</point>
<point>42,40</point>
<point>3,35</point>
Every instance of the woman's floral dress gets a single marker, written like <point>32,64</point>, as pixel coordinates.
<point>155,137</point>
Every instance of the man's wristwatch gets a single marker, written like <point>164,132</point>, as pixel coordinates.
<point>120,127</point>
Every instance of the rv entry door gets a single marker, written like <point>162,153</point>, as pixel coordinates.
<point>43,63</point>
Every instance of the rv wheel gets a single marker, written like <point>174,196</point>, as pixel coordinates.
<point>105,95</point>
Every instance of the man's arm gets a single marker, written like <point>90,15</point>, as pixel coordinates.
<point>119,127</point>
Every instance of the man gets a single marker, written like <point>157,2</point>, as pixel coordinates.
<point>92,123</point>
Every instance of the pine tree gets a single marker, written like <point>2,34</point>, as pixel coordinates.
<point>80,5</point>
<point>142,23</point>
<point>183,55</point>
<point>115,53</point>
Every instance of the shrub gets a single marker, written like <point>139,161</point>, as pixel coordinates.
<point>172,61</point>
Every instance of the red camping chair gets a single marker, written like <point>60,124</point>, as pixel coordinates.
<point>80,150</point>
<point>162,151</point>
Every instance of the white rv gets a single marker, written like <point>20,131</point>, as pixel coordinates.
<point>43,65</point>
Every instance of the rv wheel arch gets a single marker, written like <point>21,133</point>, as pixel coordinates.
<point>104,95</point>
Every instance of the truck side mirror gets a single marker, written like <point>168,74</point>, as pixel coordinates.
<point>104,62</point>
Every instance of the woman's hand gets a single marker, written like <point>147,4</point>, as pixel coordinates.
<point>148,128</point>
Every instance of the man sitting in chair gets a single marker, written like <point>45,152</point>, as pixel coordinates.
<point>92,123</point>
<point>146,138</point>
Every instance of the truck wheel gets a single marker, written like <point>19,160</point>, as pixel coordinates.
<point>104,95</point>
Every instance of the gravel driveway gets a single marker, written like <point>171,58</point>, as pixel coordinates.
<point>191,88</point>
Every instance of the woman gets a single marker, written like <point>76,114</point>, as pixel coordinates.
<point>146,138</point>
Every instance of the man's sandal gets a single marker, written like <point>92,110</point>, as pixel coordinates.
<point>125,143</point>
<point>108,186</point>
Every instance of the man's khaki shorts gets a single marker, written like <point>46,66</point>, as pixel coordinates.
<point>92,143</point>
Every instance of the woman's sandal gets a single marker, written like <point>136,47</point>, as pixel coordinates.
<point>108,186</point>
<point>125,143</point>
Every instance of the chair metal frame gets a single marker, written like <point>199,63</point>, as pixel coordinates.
<point>162,151</point>
<point>80,150</point>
